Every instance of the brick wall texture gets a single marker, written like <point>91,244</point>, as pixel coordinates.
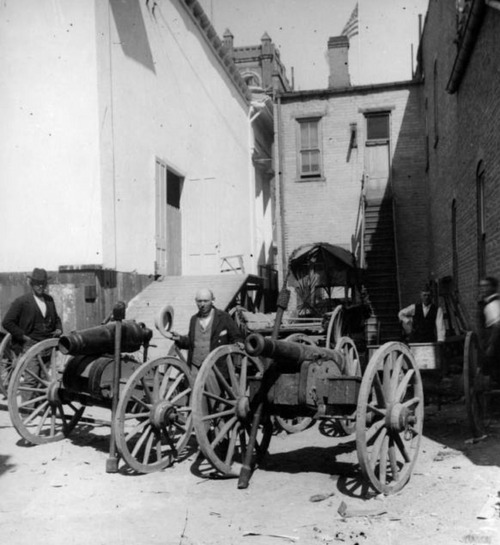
<point>326,209</point>
<point>467,125</point>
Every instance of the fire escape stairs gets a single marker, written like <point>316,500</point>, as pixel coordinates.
<point>381,272</point>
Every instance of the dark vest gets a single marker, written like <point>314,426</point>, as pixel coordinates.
<point>201,347</point>
<point>42,327</point>
<point>424,327</point>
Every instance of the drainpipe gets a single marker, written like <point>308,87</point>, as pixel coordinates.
<point>254,112</point>
<point>280,201</point>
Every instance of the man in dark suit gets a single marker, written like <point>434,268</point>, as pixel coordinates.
<point>32,317</point>
<point>208,329</point>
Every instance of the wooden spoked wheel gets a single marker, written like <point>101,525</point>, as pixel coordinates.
<point>334,330</point>
<point>389,417</point>
<point>224,404</point>
<point>37,406</point>
<point>298,423</point>
<point>8,361</point>
<point>351,368</point>
<point>476,387</point>
<point>153,419</point>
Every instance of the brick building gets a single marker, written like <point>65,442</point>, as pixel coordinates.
<point>352,173</point>
<point>460,70</point>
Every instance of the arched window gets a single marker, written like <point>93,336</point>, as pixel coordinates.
<point>252,79</point>
<point>481,220</point>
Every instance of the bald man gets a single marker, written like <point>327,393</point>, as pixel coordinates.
<point>208,329</point>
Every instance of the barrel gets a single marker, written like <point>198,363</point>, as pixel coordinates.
<point>101,339</point>
<point>93,375</point>
<point>291,354</point>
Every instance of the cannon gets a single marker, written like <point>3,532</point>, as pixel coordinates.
<point>105,367</point>
<point>238,390</point>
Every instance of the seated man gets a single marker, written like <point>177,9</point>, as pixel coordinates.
<point>424,320</point>
<point>208,329</point>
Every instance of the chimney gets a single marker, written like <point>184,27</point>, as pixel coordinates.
<point>338,62</point>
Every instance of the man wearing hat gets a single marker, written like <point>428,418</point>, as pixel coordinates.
<point>32,317</point>
<point>424,320</point>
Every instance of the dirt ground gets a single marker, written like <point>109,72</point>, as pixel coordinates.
<point>60,493</point>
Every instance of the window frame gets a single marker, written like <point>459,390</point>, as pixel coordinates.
<point>378,141</point>
<point>315,176</point>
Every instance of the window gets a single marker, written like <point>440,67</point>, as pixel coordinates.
<point>435,105</point>
<point>481,222</point>
<point>377,128</point>
<point>454,241</point>
<point>310,151</point>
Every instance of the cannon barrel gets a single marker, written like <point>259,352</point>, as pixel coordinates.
<point>291,353</point>
<point>100,339</point>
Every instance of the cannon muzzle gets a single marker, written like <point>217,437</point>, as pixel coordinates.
<point>291,353</point>
<point>100,339</point>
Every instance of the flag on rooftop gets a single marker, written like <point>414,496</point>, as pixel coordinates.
<point>351,28</point>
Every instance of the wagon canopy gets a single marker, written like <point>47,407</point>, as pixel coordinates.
<point>334,265</point>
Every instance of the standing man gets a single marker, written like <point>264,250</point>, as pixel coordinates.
<point>490,325</point>
<point>208,329</point>
<point>423,321</point>
<point>32,317</point>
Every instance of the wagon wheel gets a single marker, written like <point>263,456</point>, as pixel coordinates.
<point>38,409</point>
<point>334,330</point>
<point>223,408</point>
<point>352,368</point>
<point>8,361</point>
<point>298,423</point>
<point>476,386</point>
<point>153,418</point>
<point>389,417</point>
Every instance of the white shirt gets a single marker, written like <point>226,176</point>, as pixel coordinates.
<point>205,320</point>
<point>42,305</point>
<point>491,311</point>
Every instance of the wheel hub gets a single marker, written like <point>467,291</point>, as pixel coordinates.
<point>163,414</point>
<point>399,418</point>
<point>53,393</point>
<point>242,407</point>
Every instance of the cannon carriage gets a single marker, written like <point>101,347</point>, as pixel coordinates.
<point>105,367</point>
<point>238,391</point>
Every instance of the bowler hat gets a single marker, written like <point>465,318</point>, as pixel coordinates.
<point>39,275</point>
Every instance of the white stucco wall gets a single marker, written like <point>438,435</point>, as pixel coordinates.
<point>94,92</point>
<point>49,173</point>
<point>169,97</point>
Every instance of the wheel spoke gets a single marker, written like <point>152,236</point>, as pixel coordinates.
<point>377,446</point>
<point>401,447</point>
<point>219,415</point>
<point>232,375</point>
<point>215,397</point>
<point>395,377</point>
<point>243,375</point>
<point>232,443</point>
<point>223,382</point>
<point>413,402</point>
<point>223,431</point>
<point>145,433</point>
<point>382,466</point>
<point>379,391</point>
<point>393,461</point>
<point>403,385</point>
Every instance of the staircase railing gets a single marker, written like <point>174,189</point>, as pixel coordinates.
<point>358,239</point>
